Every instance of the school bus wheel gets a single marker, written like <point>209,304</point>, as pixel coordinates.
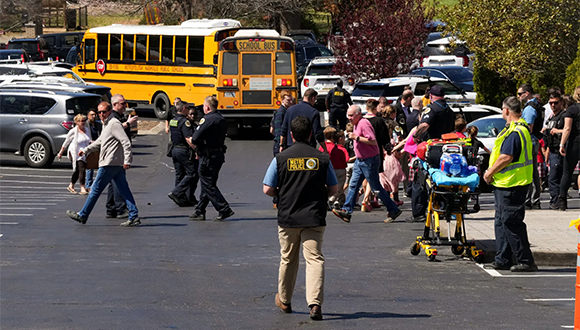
<point>457,249</point>
<point>161,105</point>
<point>415,248</point>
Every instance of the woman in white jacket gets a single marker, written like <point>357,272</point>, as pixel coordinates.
<point>77,139</point>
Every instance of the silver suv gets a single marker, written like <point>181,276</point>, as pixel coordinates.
<point>34,123</point>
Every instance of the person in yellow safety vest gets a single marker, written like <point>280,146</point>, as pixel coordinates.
<point>510,171</point>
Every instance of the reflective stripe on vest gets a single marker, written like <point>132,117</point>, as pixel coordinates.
<point>517,173</point>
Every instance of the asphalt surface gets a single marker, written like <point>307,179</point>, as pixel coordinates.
<point>172,273</point>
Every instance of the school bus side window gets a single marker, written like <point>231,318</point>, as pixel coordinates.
<point>195,51</point>
<point>115,48</point>
<point>154,48</point>
<point>89,51</point>
<point>141,48</point>
<point>128,46</point>
<point>230,63</point>
<point>180,49</point>
<point>167,49</point>
<point>103,46</point>
<point>283,63</point>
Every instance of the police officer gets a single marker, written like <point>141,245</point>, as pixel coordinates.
<point>437,119</point>
<point>303,177</point>
<point>510,171</point>
<point>337,102</point>
<point>184,158</point>
<point>209,139</point>
<point>552,136</point>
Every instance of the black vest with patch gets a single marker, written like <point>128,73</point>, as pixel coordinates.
<point>302,196</point>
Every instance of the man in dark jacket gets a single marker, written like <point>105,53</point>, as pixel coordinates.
<point>306,109</point>
<point>303,179</point>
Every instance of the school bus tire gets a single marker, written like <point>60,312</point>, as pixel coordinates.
<point>161,105</point>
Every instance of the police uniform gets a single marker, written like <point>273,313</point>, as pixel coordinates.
<point>184,162</point>
<point>338,100</point>
<point>511,184</point>
<point>209,138</point>
<point>556,160</point>
<point>302,175</point>
<point>440,117</point>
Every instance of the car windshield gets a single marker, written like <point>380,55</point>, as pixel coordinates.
<point>434,50</point>
<point>377,90</point>
<point>448,88</point>
<point>30,46</point>
<point>312,52</point>
<point>11,55</point>
<point>458,74</point>
<point>320,70</point>
<point>488,127</point>
<point>82,104</point>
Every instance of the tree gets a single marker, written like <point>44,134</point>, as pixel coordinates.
<point>380,38</point>
<point>573,74</point>
<point>521,40</point>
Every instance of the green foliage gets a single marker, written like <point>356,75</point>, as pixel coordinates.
<point>520,40</point>
<point>573,74</point>
<point>491,88</point>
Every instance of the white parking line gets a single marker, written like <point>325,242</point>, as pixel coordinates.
<point>550,299</point>
<point>23,208</point>
<point>33,204</point>
<point>34,169</point>
<point>8,223</point>
<point>495,273</point>
<point>36,176</point>
<point>35,188</point>
<point>30,182</point>
<point>2,200</point>
<point>567,326</point>
<point>14,215</point>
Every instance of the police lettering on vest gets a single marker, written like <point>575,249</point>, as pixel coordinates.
<point>518,172</point>
<point>302,172</point>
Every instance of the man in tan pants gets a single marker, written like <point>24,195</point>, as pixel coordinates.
<point>302,178</point>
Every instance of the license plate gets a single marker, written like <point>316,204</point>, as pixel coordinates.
<point>229,94</point>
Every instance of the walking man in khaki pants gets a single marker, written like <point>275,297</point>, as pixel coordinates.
<point>303,179</point>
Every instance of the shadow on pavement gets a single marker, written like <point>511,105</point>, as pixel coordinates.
<point>370,315</point>
<point>163,225</point>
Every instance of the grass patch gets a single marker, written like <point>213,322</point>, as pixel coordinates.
<point>104,20</point>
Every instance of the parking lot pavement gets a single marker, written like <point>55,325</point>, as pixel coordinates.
<point>27,192</point>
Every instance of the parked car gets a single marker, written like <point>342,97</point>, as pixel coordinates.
<point>392,88</point>
<point>440,52</point>
<point>61,43</point>
<point>36,48</point>
<point>307,50</point>
<point>299,35</point>
<point>34,123</point>
<point>65,85</point>
<point>460,76</point>
<point>13,56</point>
<point>51,69</point>
<point>319,76</point>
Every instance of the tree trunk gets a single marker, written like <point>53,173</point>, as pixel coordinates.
<point>289,21</point>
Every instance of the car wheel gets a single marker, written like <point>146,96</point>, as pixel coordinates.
<point>161,105</point>
<point>38,153</point>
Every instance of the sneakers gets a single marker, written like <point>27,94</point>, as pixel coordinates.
<point>286,308</point>
<point>392,217</point>
<point>76,217</point>
<point>345,216</point>
<point>316,313</point>
<point>111,215</point>
<point>131,223</point>
<point>336,206</point>
<point>197,217</point>
<point>524,268</point>
<point>416,219</point>
<point>224,215</point>
<point>497,266</point>
<point>123,215</point>
<point>533,206</point>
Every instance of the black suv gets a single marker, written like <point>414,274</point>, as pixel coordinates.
<point>36,48</point>
<point>61,43</point>
<point>307,50</point>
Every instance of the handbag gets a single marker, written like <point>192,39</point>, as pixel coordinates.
<point>92,160</point>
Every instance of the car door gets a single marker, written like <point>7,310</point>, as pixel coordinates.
<point>15,117</point>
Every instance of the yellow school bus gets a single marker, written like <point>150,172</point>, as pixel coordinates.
<point>254,67</point>
<point>155,64</point>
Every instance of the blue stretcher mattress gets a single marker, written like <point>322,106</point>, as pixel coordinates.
<point>442,179</point>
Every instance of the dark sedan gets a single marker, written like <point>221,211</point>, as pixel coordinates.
<point>460,76</point>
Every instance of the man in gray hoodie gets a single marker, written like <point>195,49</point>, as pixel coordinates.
<point>115,157</point>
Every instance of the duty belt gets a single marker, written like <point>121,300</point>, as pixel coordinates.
<point>180,146</point>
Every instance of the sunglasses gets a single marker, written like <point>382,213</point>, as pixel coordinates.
<point>520,93</point>
<point>554,103</point>
<point>103,111</point>
<point>121,103</point>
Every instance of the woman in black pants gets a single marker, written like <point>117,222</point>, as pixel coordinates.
<point>569,148</point>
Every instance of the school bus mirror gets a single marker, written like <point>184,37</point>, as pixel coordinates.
<point>215,59</point>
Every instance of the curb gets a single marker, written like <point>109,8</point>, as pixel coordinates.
<point>542,258</point>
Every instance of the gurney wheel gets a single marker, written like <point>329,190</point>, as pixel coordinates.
<point>415,248</point>
<point>478,259</point>
<point>432,257</point>
<point>457,249</point>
